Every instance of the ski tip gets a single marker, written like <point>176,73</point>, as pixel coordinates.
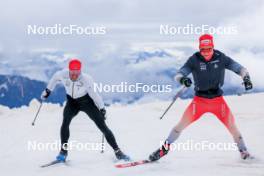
<point>52,163</point>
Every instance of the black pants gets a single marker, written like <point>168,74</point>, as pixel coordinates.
<point>85,104</point>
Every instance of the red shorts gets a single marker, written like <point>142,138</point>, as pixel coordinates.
<point>216,106</point>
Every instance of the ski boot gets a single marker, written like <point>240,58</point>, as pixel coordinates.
<point>121,156</point>
<point>160,152</point>
<point>245,155</point>
<point>61,157</point>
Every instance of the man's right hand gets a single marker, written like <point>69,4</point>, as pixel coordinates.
<point>186,81</point>
<point>45,94</point>
<point>247,83</point>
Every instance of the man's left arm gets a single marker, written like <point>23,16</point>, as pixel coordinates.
<point>234,66</point>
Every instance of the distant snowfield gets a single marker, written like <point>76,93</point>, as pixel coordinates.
<point>138,131</point>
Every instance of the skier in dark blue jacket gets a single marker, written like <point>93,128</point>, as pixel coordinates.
<point>208,69</point>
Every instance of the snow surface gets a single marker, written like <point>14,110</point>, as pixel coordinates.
<point>138,131</point>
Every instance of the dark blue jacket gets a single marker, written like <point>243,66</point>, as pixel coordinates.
<point>209,75</point>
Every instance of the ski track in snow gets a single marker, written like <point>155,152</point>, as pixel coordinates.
<point>138,131</point>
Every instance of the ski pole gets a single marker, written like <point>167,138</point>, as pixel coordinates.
<point>182,89</point>
<point>33,122</point>
<point>103,144</point>
<point>243,92</point>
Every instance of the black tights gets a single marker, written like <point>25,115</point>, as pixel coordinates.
<point>85,104</point>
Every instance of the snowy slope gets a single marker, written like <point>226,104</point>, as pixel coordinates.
<point>138,131</point>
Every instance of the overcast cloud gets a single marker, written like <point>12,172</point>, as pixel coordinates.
<point>130,23</point>
<point>126,20</point>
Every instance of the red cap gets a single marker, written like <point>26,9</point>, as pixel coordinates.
<point>75,64</point>
<point>206,40</point>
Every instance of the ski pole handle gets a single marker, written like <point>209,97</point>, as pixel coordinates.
<point>182,89</point>
<point>33,122</point>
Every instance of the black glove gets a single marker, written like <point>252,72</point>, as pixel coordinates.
<point>247,82</point>
<point>186,81</point>
<point>45,94</point>
<point>103,112</point>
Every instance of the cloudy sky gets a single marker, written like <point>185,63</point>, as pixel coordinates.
<point>125,20</point>
<point>131,23</point>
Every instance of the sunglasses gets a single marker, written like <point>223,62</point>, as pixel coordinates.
<point>75,72</point>
<point>206,50</point>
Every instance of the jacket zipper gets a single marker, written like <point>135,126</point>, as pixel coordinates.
<point>209,71</point>
<point>72,89</point>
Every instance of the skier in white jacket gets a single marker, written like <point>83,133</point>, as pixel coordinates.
<point>81,96</point>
